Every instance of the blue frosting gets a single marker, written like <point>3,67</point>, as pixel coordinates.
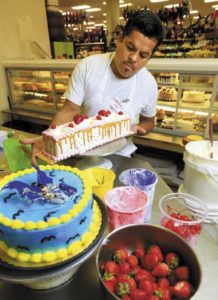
<point>24,200</point>
<point>51,238</point>
<point>39,196</point>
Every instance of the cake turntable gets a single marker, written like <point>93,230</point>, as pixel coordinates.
<point>48,277</point>
<point>95,157</point>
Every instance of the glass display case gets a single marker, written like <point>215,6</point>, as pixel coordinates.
<point>37,87</point>
<point>187,96</point>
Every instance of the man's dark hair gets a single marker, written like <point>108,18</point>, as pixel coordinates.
<point>147,23</point>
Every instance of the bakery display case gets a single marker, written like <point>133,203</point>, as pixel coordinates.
<point>37,87</point>
<point>187,92</point>
<point>187,96</point>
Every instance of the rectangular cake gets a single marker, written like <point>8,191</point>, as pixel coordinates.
<point>84,133</point>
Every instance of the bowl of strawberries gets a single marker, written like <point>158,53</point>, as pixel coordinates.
<point>147,262</point>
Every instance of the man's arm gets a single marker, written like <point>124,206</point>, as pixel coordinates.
<point>145,125</point>
<point>66,114</point>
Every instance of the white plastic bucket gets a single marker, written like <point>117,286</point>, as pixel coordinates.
<point>201,172</point>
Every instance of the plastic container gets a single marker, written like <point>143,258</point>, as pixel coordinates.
<point>125,205</point>
<point>201,172</point>
<point>183,214</point>
<point>101,180</point>
<point>145,180</point>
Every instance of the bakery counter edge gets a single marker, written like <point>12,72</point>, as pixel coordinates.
<point>160,141</point>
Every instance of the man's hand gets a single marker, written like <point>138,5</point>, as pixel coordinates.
<point>136,129</point>
<point>36,143</point>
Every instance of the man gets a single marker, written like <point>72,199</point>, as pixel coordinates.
<point>116,81</point>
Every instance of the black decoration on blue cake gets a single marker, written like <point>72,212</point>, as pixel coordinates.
<point>44,190</point>
<point>8,197</point>
<point>73,238</point>
<point>1,232</point>
<point>23,248</point>
<point>47,239</point>
<point>20,211</point>
<point>82,220</point>
<point>76,198</point>
<point>52,173</point>
<point>49,215</point>
<point>61,180</point>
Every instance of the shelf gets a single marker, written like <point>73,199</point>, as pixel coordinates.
<point>29,114</point>
<point>89,44</point>
<point>160,141</point>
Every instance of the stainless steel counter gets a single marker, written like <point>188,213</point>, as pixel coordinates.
<point>85,284</point>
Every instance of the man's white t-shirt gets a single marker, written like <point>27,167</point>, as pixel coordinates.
<point>93,86</point>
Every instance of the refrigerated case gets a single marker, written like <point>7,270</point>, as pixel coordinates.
<point>36,88</point>
<point>187,98</point>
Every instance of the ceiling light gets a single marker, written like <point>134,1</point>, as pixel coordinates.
<point>156,1</point>
<point>215,6</point>
<point>208,1</point>
<point>194,11</point>
<point>196,17</point>
<point>104,14</point>
<point>93,9</point>
<point>104,3</point>
<point>78,7</point>
<point>126,4</point>
<point>171,5</point>
<point>121,1</point>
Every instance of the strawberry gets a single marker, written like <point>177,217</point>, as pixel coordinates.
<point>103,113</point>
<point>160,270</point>
<point>182,273</point>
<point>150,261</point>
<point>143,274</point>
<point>98,117</point>
<point>85,117</point>
<point>163,282</point>
<point>53,126</point>
<point>163,293</point>
<point>120,113</point>
<point>132,260</point>
<point>125,286</point>
<point>125,278</point>
<point>172,260</point>
<point>78,119</point>
<point>152,297</point>
<point>120,255</point>
<point>111,267</point>
<point>110,281</point>
<point>134,270</point>
<point>108,112</point>
<point>156,249</point>
<point>147,286</point>
<point>126,297</point>
<point>139,295</point>
<point>182,290</point>
<point>139,252</point>
<point>71,125</point>
<point>124,268</point>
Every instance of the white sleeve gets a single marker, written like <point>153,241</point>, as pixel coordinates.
<point>149,109</point>
<point>76,86</point>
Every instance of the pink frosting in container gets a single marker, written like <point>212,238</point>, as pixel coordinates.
<point>125,205</point>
